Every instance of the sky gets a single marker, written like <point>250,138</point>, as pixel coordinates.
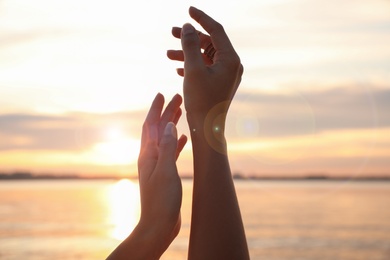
<point>77,79</point>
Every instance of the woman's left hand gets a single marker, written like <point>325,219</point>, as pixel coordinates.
<point>160,184</point>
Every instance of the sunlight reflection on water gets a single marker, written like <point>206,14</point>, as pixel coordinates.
<point>124,204</point>
<point>284,220</point>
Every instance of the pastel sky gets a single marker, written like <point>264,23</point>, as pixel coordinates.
<point>77,78</point>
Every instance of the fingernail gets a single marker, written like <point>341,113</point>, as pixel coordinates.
<point>187,29</point>
<point>170,129</point>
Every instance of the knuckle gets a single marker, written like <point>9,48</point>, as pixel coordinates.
<point>218,27</point>
<point>237,59</point>
<point>235,63</point>
<point>241,70</point>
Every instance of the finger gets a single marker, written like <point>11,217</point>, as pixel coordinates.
<point>153,118</point>
<point>206,59</point>
<point>204,39</point>
<point>168,145</point>
<point>175,55</point>
<point>205,42</point>
<point>177,116</point>
<point>191,48</point>
<point>180,71</point>
<point>218,36</point>
<point>155,109</point>
<point>170,113</point>
<point>176,32</point>
<point>180,145</point>
<point>148,156</point>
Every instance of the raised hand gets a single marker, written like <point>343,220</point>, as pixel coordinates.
<point>160,184</point>
<point>212,77</point>
<point>211,80</point>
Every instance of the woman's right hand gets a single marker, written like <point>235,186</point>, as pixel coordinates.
<point>211,80</point>
<point>208,80</point>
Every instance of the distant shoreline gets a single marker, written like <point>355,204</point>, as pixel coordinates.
<point>30,176</point>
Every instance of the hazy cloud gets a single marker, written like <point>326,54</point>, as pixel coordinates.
<point>265,115</point>
<point>63,132</point>
<point>253,115</point>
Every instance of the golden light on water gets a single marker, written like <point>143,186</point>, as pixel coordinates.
<point>124,204</point>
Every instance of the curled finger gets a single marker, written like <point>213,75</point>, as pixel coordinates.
<point>180,71</point>
<point>204,39</point>
<point>175,55</point>
<point>219,38</point>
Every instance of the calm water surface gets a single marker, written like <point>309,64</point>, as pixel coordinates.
<point>283,219</point>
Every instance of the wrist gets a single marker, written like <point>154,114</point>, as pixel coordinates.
<point>216,112</point>
<point>208,132</point>
<point>134,245</point>
<point>156,237</point>
<point>160,230</point>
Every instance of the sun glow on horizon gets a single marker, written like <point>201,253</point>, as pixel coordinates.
<point>118,149</point>
<point>314,95</point>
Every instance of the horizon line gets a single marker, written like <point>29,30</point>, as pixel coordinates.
<point>313,176</point>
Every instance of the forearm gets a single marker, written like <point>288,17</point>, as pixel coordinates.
<point>144,243</point>
<point>216,228</point>
<point>160,185</point>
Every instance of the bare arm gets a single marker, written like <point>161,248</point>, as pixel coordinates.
<point>217,230</point>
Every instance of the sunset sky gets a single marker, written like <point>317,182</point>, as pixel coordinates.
<point>77,79</point>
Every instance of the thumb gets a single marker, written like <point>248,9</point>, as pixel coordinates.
<point>168,144</point>
<point>191,47</point>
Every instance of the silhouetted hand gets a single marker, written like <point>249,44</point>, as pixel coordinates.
<point>209,80</point>
<point>160,184</point>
